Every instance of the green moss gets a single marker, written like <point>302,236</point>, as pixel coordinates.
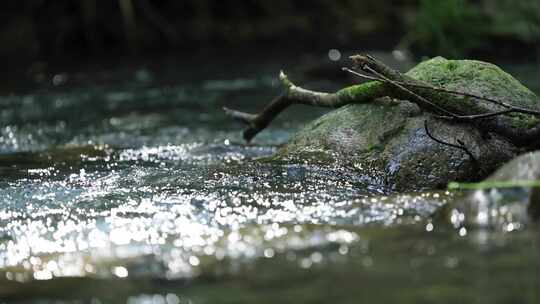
<point>363,92</point>
<point>470,76</point>
<point>348,131</point>
<point>451,65</point>
<point>479,78</point>
<point>375,148</point>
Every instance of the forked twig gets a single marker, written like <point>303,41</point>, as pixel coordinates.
<point>399,86</point>
<point>461,145</point>
<point>512,108</point>
<point>510,127</point>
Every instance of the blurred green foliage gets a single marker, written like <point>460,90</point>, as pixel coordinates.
<point>47,27</point>
<point>448,28</point>
<point>454,28</point>
<point>514,18</point>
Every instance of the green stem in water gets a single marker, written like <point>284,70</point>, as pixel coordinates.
<point>494,184</point>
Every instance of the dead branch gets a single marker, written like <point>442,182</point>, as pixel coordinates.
<point>389,82</point>
<point>292,95</point>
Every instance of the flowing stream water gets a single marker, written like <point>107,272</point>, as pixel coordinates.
<point>129,185</point>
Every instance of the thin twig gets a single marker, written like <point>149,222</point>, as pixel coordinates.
<point>461,145</point>
<point>346,69</point>
<point>257,122</point>
<point>515,109</point>
<point>399,86</point>
<point>476,116</point>
<point>243,117</point>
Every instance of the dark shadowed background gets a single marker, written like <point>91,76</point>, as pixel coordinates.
<point>45,29</point>
<point>38,35</point>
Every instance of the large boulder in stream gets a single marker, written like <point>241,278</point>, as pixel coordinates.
<point>386,140</point>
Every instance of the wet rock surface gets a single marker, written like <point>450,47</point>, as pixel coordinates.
<point>506,201</point>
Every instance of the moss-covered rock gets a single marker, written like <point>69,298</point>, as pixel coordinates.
<point>386,139</point>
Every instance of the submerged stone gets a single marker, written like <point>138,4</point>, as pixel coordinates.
<point>506,201</point>
<point>386,139</point>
